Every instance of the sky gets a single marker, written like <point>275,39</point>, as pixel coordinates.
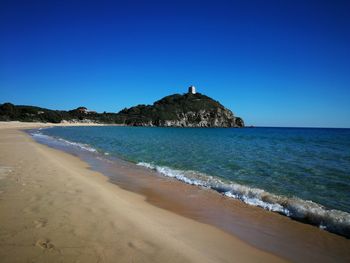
<point>273,63</point>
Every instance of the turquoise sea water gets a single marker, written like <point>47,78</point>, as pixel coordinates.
<point>302,173</point>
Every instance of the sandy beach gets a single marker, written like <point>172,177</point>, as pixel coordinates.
<point>53,208</point>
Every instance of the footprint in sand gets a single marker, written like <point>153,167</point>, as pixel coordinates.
<point>41,222</point>
<point>142,245</point>
<point>4,171</point>
<point>44,244</point>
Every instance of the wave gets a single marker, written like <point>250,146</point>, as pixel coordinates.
<point>302,210</point>
<point>37,134</point>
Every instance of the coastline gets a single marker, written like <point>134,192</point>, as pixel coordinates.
<point>33,125</point>
<point>69,212</point>
<point>264,230</point>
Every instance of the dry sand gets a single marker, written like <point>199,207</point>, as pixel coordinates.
<point>53,208</point>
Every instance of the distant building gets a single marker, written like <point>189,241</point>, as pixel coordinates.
<point>82,109</point>
<point>192,89</point>
<point>85,110</point>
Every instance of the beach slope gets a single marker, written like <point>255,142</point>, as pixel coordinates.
<point>53,208</point>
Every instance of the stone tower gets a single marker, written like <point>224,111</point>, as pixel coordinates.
<point>192,89</point>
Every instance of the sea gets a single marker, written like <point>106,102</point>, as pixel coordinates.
<point>302,173</point>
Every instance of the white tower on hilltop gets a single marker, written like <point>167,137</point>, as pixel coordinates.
<point>192,89</point>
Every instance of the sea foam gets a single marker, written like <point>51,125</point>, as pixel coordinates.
<point>37,134</point>
<point>302,210</point>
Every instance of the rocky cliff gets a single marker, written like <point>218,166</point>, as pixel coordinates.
<point>188,110</point>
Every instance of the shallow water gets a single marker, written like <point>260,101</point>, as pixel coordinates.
<point>302,173</point>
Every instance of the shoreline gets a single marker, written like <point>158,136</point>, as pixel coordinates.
<point>265,230</point>
<point>70,212</point>
<point>302,210</point>
<point>35,125</point>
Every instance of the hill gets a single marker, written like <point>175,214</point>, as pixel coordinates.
<point>187,110</point>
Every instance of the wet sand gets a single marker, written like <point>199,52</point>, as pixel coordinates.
<point>265,230</point>
<point>53,208</point>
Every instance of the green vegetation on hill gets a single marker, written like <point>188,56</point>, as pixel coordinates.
<point>167,107</point>
<point>10,112</point>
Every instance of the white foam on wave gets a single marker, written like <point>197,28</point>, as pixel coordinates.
<point>177,174</point>
<point>254,201</point>
<point>40,135</point>
<point>86,147</point>
<point>79,145</point>
<point>303,210</point>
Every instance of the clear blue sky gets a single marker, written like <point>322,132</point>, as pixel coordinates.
<point>274,63</point>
